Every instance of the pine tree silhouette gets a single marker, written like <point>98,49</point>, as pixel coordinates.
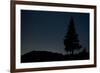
<point>71,41</point>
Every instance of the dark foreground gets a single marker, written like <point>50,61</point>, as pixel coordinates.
<point>44,56</point>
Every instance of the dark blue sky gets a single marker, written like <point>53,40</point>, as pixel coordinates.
<point>45,30</point>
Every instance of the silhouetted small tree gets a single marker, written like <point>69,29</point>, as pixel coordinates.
<point>71,41</point>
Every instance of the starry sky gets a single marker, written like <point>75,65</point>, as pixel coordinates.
<point>45,30</point>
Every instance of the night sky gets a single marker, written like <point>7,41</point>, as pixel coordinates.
<point>45,30</point>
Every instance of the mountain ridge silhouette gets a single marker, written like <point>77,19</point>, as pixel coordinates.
<point>45,56</point>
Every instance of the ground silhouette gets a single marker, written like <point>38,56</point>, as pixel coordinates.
<point>45,56</point>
